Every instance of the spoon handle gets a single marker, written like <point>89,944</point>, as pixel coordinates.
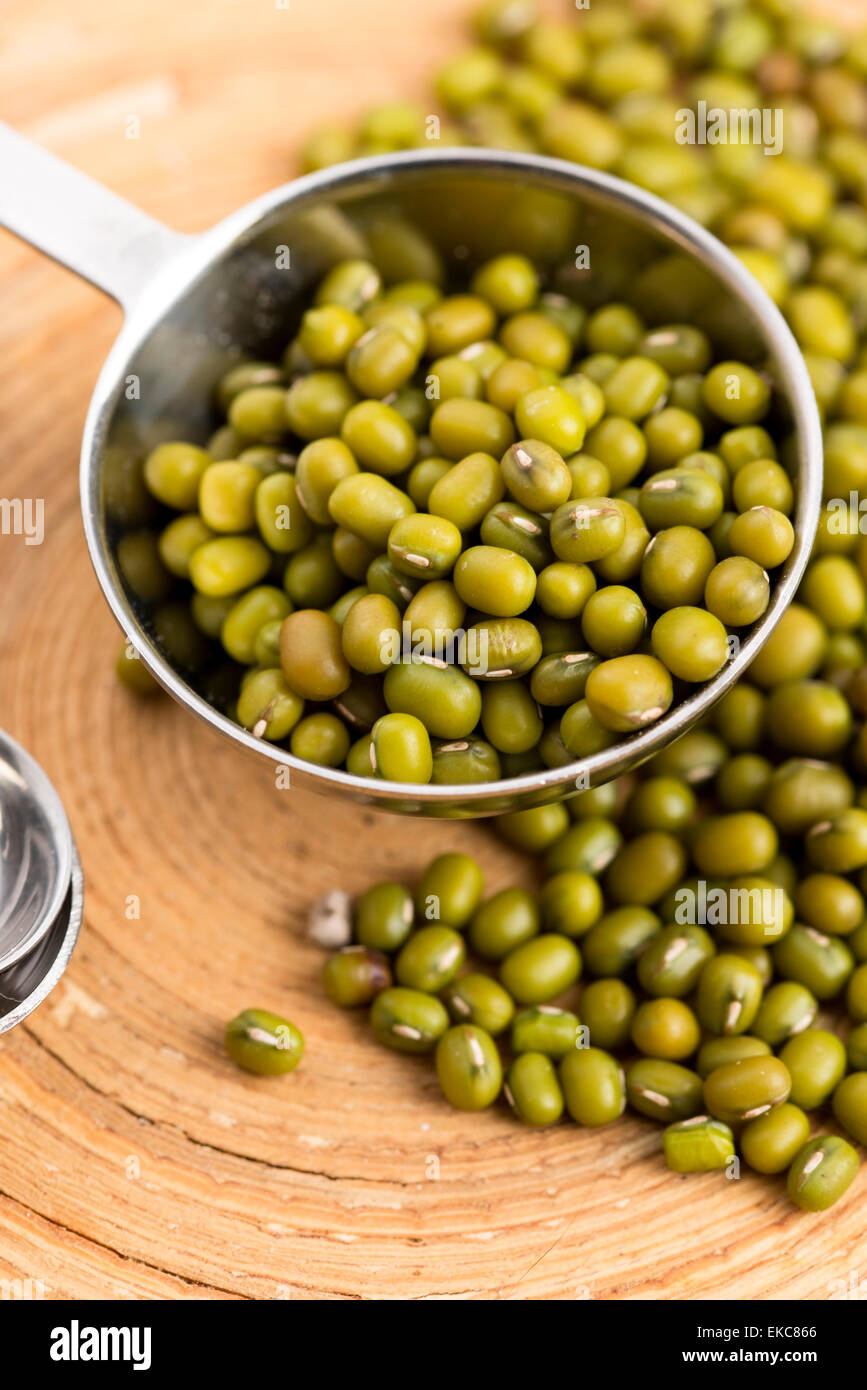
<point>80,223</point>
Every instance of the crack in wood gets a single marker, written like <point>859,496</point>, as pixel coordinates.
<point>207,1145</point>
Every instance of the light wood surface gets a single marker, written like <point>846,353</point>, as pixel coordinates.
<point>135,1160</point>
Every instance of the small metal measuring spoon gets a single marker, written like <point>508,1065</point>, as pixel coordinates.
<point>192,303</point>
<point>33,978</point>
<point>35,854</point>
<point>41,885</point>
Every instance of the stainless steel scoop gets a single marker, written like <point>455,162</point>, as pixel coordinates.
<point>32,979</point>
<point>41,885</point>
<point>193,303</point>
<point>35,854</point>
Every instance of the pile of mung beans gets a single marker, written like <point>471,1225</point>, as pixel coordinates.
<point>441,550</point>
<point>695,929</point>
<point>744,1028</point>
<point>738,1035</point>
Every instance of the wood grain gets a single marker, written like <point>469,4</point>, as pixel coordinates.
<point>135,1161</point>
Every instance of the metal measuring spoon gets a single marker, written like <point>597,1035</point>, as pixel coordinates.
<point>33,978</point>
<point>36,855</point>
<point>190,301</point>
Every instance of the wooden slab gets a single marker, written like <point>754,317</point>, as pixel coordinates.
<point>135,1160</point>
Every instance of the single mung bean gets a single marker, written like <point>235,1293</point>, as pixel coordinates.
<point>821,963</point>
<point>850,1105</point>
<point>613,620</point>
<point>729,995</point>
<point>593,1085</point>
<point>770,1143</point>
<point>816,1061</point>
<point>533,1091</point>
<point>563,589</point>
<point>267,706</point>
<point>698,1145</point>
<point>424,546</point>
<point>571,903</point>
<point>370,634</point>
<point>590,478</point>
<point>264,1043</point>
<point>327,334</point>
<point>311,655</point>
<point>384,917</point>
<point>663,1090</point>
<point>369,506</point>
<point>354,976</point>
<point>810,719</point>
<point>673,435</point>
<point>608,1008</point>
<point>582,733</point>
<point>740,1091</point>
<point>450,890</point>
<point>550,418</point>
<point>839,845</point>
<point>535,474</point>
<point>546,1029</point>
<point>477,999</point>
<point>587,529</point>
<point>645,868</point>
<point>512,527</point>
<point>494,580</point>
<point>408,1020</point>
<point>351,284</point>
<point>618,940</point>
<point>665,1028</point>
<point>172,473</point>
<point>228,565</point>
<point>460,427</point>
<point>247,616</point>
<point>501,648</point>
<point>822,1172</point>
<point>561,679</point>
<point>282,521</point>
<point>736,393</point>
<point>681,497</point>
<point>132,672</point>
<point>742,843</point>
<point>737,591</point>
<point>587,847</point>
<point>510,719</point>
<point>503,922</point>
<point>468,1067</point>
<point>316,405</point>
<point>662,804</point>
<point>442,697</point>
<point>465,761</point>
<point>742,783</point>
<point>787,1008</point>
<point>466,492</point>
<point>430,959</point>
<point>691,642</point>
<point>435,613</point>
<point>628,692</point>
<point>541,968</point>
<point>673,961</point>
<point>764,535</point>
<point>322,739</point>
